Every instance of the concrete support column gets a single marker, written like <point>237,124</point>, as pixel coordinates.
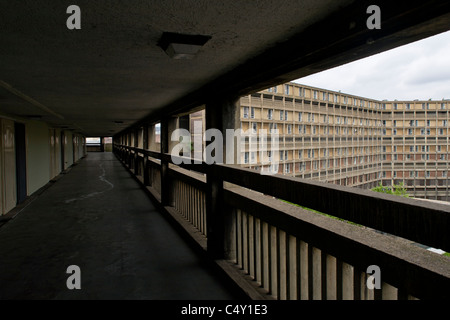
<point>219,115</point>
<point>102,144</point>
<point>165,179</point>
<point>136,145</point>
<point>152,145</point>
<point>145,147</point>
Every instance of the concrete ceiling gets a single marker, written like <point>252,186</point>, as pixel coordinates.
<point>113,70</point>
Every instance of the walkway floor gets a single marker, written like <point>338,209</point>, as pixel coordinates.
<point>98,218</point>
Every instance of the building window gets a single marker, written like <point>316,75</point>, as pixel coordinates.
<point>300,154</point>
<point>300,116</point>
<point>444,123</point>
<point>441,131</point>
<point>286,89</point>
<point>289,129</point>
<point>252,113</point>
<point>408,106</point>
<point>287,168</point>
<point>444,174</point>
<point>410,132</point>
<point>245,112</point>
<point>300,129</point>
<point>301,92</point>
<point>281,115</point>
<point>301,167</point>
<point>273,127</point>
<point>315,94</point>
<point>286,115</point>
<point>275,89</point>
<point>246,154</point>
<point>254,127</point>
<point>270,114</point>
<point>253,157</point>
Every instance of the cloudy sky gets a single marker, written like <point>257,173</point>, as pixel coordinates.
<point>420,70</point>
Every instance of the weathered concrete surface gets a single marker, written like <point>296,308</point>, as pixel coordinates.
<point>98,218</point>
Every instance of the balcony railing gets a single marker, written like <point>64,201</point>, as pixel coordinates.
<point>276,250</point>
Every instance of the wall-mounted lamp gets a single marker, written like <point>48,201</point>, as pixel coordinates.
<point>182,46</point>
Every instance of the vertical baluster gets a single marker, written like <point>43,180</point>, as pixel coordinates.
<point>240,244</point>
<point>304,270</point>
<point>196,208</point>
<point>265,256</point>
<point>347,282</point>
<point>331,288</point>
<point>245,242</point>
<point>274,283</point>
<point>251,246</point>
<point>389,292</point>
<point>258,250</point>
<point>282,253</point>
<point>293,258</point>
<point>316,274</point>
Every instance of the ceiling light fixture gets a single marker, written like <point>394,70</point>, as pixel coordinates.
<point>182,46</point>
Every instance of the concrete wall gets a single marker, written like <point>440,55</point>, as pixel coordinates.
<point>68,149</point>
<point>38,155</point>
<point>43,145</point>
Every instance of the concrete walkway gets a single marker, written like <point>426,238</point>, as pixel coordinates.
<point>98,218</point>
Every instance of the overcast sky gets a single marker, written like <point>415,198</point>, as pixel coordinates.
<point>420,70</point>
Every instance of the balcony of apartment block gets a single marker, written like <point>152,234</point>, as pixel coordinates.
<point>277,250</point>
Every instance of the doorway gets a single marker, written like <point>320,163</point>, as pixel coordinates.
<point>21,161</point>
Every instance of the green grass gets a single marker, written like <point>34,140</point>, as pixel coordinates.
<point>323,214</point>
<point>447,254</point>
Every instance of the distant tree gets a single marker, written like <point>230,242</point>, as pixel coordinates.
<point>396,189</point>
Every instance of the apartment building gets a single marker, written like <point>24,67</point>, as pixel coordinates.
<point>350,140</point>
